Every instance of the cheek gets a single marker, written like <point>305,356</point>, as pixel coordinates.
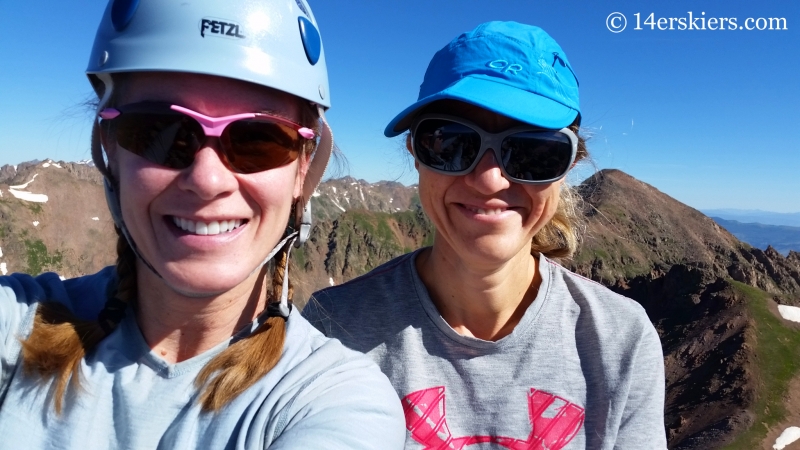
<point>545,200</point>
<point>274,189</point>
<point>432,188</point>
<point>139,183</point>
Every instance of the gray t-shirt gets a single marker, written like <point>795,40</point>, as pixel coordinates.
<point>582,369</point>
<point>320,395</point>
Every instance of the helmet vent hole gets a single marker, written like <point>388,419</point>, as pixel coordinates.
<point>122,12</point>
<point>311,40</point>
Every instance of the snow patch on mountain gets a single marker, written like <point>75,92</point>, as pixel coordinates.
<point>788,436</point>
<point>789,312</point>
<point>17,192</point>
<point>50,163</point>
<point>27,196</point>
<point>24,185</point>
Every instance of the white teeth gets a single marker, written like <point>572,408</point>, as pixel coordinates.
<point>487,212</point>
<point>212,228</point>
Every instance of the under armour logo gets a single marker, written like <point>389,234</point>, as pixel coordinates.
<point>554,422</point>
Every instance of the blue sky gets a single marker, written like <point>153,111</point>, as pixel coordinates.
<point>708,117</point>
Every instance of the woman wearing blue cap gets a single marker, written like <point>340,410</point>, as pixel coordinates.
<point>211,136</point>
<point>485,338</point>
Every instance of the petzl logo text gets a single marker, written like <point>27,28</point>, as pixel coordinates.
<point>220,27</point>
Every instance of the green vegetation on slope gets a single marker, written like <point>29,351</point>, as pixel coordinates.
<point>39,259</point>
<point>777,361</point>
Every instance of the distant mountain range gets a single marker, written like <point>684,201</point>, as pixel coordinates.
<point>730,357</point>
<point>782,237</point>
<point>756,216</point>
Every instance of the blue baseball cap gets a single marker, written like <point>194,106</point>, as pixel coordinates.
<point>510,68</point>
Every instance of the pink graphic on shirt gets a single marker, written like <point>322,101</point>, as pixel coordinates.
<point>554,421</point>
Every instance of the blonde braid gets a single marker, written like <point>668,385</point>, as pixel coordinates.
<point>245,362</point>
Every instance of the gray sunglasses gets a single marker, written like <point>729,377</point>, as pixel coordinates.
<point>526,154</point>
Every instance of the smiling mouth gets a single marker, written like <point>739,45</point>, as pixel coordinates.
<point>207,229</point>
<point>487,212</point>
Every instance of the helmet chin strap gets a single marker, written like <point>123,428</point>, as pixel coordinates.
<point>109,183</point>
<point>316,170</point>
<point>303,217</point>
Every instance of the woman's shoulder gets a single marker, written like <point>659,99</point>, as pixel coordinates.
<point>385,273</point>
<point>337,389</point>
<point>582,284</point>
<point>22,291</point>
<point>384,293</point>
<point>605,323</point>
<point>315,352</point>
<point>20,294</point>
<point>376,282</point>
<point>593,298</point>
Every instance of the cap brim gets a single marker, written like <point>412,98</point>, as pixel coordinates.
<point>497,97</point>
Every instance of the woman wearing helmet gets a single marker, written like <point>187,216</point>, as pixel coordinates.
<point>486,338</point>
<point>211,136</point>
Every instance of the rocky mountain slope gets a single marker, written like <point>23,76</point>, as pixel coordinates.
<point>53,216</point>
<point>709,296</point>
<point>731,360</point>
<point>334,197</point>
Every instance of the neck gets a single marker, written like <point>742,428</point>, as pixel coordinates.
<point>178,327</point>
<point>487,302</point>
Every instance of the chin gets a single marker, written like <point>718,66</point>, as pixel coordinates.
<point>210,282</point>
<point>494,251</point>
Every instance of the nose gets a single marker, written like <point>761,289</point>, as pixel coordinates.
<point>208,177</point>
<point>487,178</point>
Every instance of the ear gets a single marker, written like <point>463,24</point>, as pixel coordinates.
<point>304,162</point>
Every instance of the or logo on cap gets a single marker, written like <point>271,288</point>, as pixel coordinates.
<point>504,66</point>
<point>220,27</point>
<point>311,40</point>
<point>122,12</point>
